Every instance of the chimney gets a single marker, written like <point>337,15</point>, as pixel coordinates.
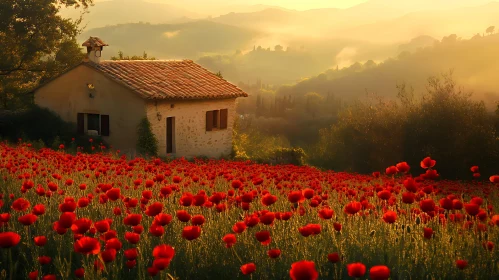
<point>94,49</point>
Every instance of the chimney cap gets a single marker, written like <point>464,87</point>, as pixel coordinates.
<point>94,42</point>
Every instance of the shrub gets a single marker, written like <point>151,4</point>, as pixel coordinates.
<point>147,144</point>
<point>33,124</point>
<point>444,124</point>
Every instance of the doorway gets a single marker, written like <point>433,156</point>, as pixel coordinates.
<point>170,135</point>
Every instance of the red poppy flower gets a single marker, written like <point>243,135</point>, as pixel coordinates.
<point>263,237</point>
<point>197,220</point>
<point>161,264</point>
<point>177,179</point>
<point>43,260</point>
<point>248,268</point>
<point>163,252</point>
<point>191,232</point>
<point>102,226</point>
<point>268,199</point>
<point>461,264</point>
<point>154,209</point>
<point>38,209</point>
<point>132,219</point>
<point>384,194</point>
<point>391,170</point>
<point>81,226</point>
<point>390,217</point>
<point>108,255</point>
<point>40,240</point>
<point>27,219</point>
<point>131,254</point>
<point>9,239</point>
<point>326,213</point>
<point>33,275</point>
<point>427,163</point>
<point>156,230</point>
<point>274,253</point>
<point>80,272</point>
<point>337,226</point>
<point>303,270</point>
<point>113,243</point>
<point>402,167</point>
<point>229,239</point>
<point>87,245</point>
<point>427,205</point>
<point>163,219</point>
<point>267,218</point>
<point>494,178</point>
<point>20,204</point>
<point>239,227</point>
<point>295,197</point>
<point>5,217</point>
<point>113,194</point>
<point>152,271</point>
<point>472,209</point>
<point>356,270</point>
<point>379,272</point>
<point>333,257</point>
<point>427,233</point>
<point>353,207</point>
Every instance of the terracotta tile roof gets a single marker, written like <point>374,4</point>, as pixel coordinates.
<point>166,79</point>
<point>94,42</point>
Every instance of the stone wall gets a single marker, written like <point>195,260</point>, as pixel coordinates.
<point>190,136</point>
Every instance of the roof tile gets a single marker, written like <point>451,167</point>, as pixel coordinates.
<point>167,79</point>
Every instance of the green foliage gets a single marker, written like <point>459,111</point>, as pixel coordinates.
<point>252,144</point>
<point>43,128</point>
<point>36,43</point>
<point>147,144</point>
<point>135,57</point>
<point>34,124</point>
<point>444,124</point>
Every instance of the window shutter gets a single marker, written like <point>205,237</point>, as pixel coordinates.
<point>104,125</point>
<point>224,113</point>
<point>80,123</point>
<point>209,120</point>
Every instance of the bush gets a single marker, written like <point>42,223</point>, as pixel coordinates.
<point>147,144</point>
<point>43,128</point>
<point>295,156</point>
<point>444,124</point>
<point>33,124</point>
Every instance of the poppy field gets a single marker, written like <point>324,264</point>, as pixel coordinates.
<point>101,216</point>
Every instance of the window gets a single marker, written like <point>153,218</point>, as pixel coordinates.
<point>216,119</point>
<point>93,124</point>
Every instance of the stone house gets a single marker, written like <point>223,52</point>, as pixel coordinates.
<point>191,110</point>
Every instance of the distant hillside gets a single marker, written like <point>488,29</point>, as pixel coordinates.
<point>274,66</point>
<point>379,21</point>
<point>170,41</point>
<point>473,61</point>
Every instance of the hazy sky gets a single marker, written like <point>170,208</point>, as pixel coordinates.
<point>289,4</point>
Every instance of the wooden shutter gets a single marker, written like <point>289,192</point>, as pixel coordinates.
<point>224,113</point>
<point>209,120</point>
<point>104,125</point>
<point>80,123</point>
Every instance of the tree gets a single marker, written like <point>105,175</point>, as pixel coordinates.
<point>219,74</point>
<point>121,56</point>
<point>36,43</point>
<point>490,29</point>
